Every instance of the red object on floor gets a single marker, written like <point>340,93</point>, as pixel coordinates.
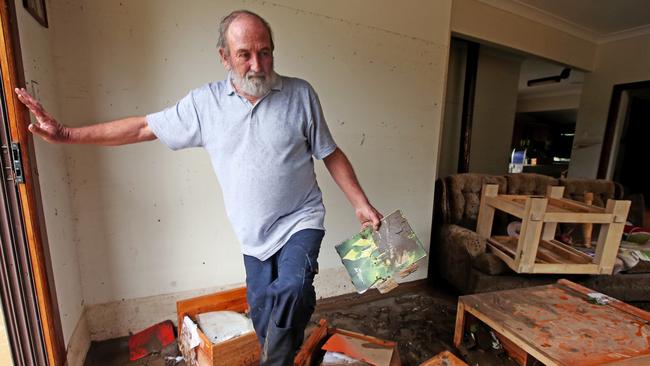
<point>151,340</point>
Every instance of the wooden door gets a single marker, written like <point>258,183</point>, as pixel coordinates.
<point>28,293</point>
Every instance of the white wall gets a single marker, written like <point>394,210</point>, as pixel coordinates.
<point>60,219</point>
<point>495,103</point>
<point>150,221</point>
<point>451,129</point>
<point>617,62</point>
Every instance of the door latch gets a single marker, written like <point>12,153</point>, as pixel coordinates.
<point>17,162</point>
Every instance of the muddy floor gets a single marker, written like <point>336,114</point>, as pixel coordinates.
<point>419,318</point>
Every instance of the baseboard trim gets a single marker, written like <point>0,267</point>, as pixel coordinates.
<point>122,318</point>
<point>79,343</point>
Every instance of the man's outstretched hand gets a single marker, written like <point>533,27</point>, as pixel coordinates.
<point>368,216</point>
<point>46,126</point>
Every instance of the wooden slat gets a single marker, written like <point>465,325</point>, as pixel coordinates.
<point>568,253</point>
<point>566,268</point>
<point>551,227</point>
<point>571,205</point>
<point>531,231</point>
<point>304,357</point>
<point>609,238</point>
<point>578,217</point>
<point>511,207</point>
<point>504,254</point>
<point>486,212</point>
<point>460,323</point>
<point>506,244</point>
<point>444,358</point>
<point>588,228</point>
<point>513,350</point>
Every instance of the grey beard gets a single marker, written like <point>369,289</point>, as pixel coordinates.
<point>255,85</point>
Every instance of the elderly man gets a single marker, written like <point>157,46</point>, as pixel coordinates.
<point>261,131</point>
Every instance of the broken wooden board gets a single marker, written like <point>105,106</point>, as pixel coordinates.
<point>310,352</point>
<point>560,325</point>
<point>376,258</point>
<point>444,358</point>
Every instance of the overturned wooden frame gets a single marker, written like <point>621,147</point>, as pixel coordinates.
<point>536,250</point>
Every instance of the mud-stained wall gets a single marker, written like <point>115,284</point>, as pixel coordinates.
<point>150,221</point>
<point>37,45</point>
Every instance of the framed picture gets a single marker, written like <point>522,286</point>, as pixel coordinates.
<point>37,9</point>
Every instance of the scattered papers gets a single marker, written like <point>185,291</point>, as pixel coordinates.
<point>374,258</point>
<point>190,328</point>
<point>337,359</point>
<point>598,298</point>
<point>220,326</point>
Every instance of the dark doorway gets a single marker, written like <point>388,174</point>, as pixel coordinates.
<point>633,153</point>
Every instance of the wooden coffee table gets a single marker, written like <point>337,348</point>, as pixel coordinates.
<point>558,324</point>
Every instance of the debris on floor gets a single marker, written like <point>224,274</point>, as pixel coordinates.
<point>151,340</point>
<point>420,319</point>
<point>444,358</point>
<point>356,348</point>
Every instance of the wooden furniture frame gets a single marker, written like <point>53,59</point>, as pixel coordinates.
<point>444,358</point>
<point>536,250</point>
<point>558,325</point>
<point>322,332</point>
<point>242,351</point>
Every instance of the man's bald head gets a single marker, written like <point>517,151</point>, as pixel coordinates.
<point>224,27</point>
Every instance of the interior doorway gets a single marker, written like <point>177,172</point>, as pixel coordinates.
<point>625,152</point>
<point>499,100</point>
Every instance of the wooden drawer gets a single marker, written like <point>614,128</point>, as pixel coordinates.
<point>321,333</point>
<point>243,350</point>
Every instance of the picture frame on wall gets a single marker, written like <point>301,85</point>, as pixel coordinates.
<point>38,10</point>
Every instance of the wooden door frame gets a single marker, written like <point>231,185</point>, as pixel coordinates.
<point>612,117</point>
<point>29,195</point>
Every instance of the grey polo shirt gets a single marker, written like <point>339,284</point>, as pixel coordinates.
<point>261,154</point>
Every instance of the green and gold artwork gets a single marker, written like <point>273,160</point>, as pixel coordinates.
<point>373,258</point>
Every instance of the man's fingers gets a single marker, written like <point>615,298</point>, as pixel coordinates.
<point>36,129</point>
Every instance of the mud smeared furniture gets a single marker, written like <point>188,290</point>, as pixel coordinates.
<point>243,350</point>
<point>560,324</point>
<point>311,350</point>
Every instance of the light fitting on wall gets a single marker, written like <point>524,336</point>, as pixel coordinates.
<point>566,72</point>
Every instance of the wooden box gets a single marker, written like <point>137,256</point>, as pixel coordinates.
<point>536,250</point>
<point>559,325</point>
<point>240,351</point>
<point>320,335</point>
<point>444,358</point>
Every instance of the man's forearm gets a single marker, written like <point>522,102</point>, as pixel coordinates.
<point>120,132</point>
<point>343,174</point>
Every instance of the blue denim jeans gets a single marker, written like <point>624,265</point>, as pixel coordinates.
<point>281,295</point>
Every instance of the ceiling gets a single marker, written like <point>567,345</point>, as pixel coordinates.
<point>603,17</point>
